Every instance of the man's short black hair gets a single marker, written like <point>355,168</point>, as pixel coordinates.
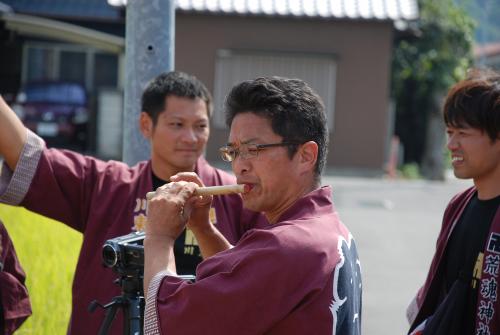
<point>173,83</point>
<point>475,102</point>
<point>296,112</point>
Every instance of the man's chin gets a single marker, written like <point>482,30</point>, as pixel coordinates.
<point>251,205</point>
<point>186,165</point>
<point>461,175</point>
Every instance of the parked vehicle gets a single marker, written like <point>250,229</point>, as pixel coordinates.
<point>57,111</point>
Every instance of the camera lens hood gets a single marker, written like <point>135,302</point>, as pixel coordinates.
<point>109,255</point>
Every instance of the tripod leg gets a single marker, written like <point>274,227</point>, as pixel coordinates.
<point>111,310</point>
<point>133,321</point>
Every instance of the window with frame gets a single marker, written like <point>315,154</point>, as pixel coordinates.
<point>69,62</point>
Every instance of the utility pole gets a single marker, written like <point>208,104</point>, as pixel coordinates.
<point>149,51</point>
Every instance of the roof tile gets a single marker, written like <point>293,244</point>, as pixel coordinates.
<point>335,9</point>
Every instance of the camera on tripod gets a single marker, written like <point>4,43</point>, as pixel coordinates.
<point>125,254</point>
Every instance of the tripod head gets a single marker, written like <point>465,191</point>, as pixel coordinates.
<point>131,285</point>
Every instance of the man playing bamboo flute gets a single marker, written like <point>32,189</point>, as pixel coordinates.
<point>300,274</point>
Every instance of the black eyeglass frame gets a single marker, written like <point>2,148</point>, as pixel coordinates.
<point>223,150</point>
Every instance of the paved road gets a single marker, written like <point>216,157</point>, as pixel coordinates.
<point>395,224</point>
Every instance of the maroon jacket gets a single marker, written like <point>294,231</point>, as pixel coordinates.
<point>488,304</point>
<point>102,200</point>
<point>14,298</point>
<point>298,276</point>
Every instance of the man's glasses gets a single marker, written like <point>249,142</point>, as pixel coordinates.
<point>229,153</point>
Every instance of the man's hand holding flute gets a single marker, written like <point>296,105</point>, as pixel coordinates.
<point>172,207</point>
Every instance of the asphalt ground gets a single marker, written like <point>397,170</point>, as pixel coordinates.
<point>395,224</point>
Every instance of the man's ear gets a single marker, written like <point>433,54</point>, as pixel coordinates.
<point>146,125</point>
<point>308,155</point>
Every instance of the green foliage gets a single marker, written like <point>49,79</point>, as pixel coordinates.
<point>426,64</point>
<point>48,252</point>
<point>441,54</point>
<point>410,171</point>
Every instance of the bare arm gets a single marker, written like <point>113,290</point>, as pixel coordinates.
<point>158,256</point>
<point>12,135</point>
<point>210,240</point>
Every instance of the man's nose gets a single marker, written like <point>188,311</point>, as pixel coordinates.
<point>189,135</point>
<point>452,143</point>
<point>240,166</point>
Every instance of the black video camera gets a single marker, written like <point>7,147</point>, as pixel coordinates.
<point>125,254</point>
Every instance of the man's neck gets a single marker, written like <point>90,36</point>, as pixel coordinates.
<point>488,188</point>
<point>274,215</point>
<point>164,172</point>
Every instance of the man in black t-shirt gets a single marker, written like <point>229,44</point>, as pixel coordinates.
<point>460,295</point>
<point>464,254</point>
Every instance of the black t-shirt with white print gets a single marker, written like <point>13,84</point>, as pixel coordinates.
<point>465,249</point>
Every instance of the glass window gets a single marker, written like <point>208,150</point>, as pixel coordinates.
<point>72,66</point>
<point>105,70</point>
<point>41,62</point>
<point>73,63</point>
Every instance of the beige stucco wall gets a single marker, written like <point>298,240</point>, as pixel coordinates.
<point>363,51</point>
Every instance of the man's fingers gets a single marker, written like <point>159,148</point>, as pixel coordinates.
<point>187,176</point>
<point>183,189</point>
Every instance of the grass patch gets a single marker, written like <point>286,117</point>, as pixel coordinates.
<point>48,251</point>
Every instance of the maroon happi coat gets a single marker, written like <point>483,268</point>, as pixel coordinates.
<point>102,200</point>
<point>16,307</point>
<point>488,303</point>
<point>298,276</point>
